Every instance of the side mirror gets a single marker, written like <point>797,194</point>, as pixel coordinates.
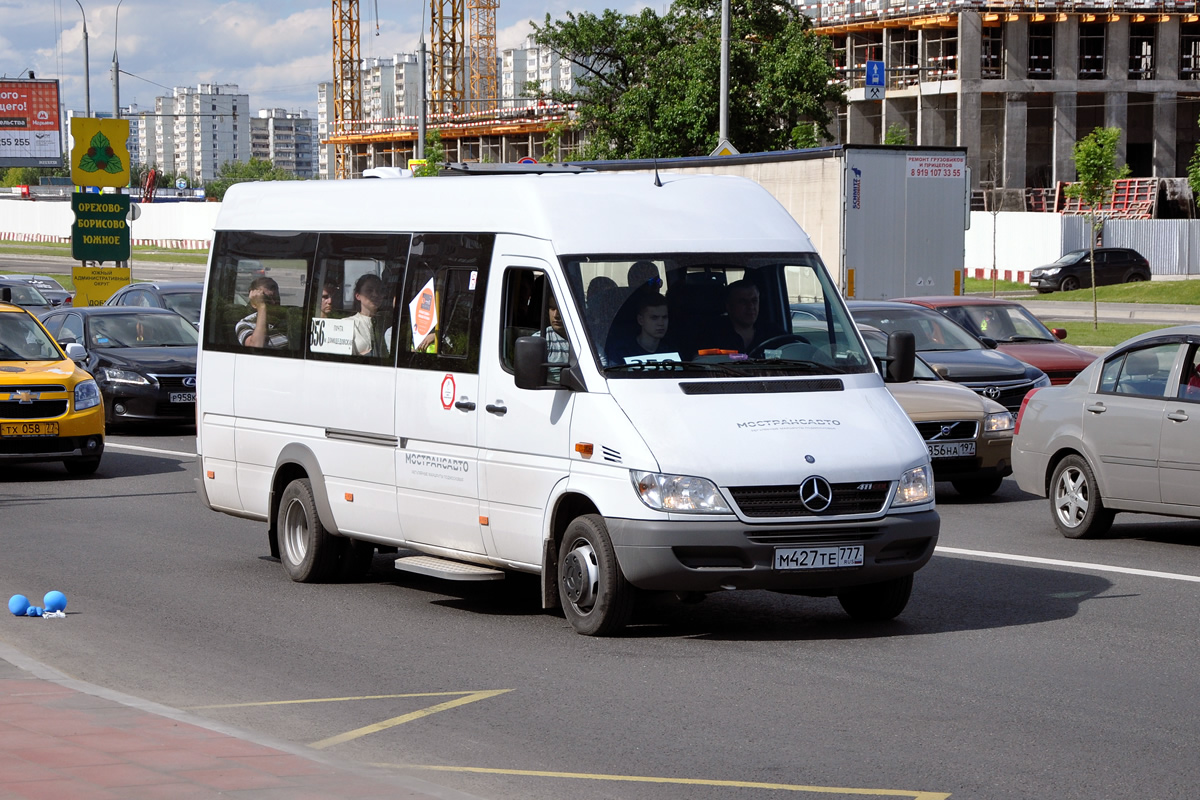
<point>989,343</point>
<point>1059,333</point>
<point>529,362</point>
<point>902,357</point>
<point>76,351</point>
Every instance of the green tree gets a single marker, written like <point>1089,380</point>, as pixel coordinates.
<point>897,133</point>
<point>256,169</point>
<point>1193,171</point>
<point>1095,158</point>
<point>435,156</point>
<point>650,83</point>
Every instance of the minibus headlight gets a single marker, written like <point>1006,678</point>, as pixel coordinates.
<point>87,395</point>
<point>678,493</point>
<point>916,486</point>
<point>995,423</point>
<point>116,375</point>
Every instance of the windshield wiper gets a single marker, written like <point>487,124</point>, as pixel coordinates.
<point>672,365</point>
<point>1027,339</point>
<point>810,366</point>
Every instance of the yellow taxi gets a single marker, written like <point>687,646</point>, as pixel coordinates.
<point>50,409</point>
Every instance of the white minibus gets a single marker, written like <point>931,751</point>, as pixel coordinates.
<point>619,383</point>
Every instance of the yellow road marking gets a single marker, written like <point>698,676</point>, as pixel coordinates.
<point>394,721</point>
<point>784,787</point>
<point>338,699</point>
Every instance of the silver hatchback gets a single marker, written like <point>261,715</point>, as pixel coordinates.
<point>1123,436</point>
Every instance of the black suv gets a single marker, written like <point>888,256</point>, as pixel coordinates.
<point>1073,271</point>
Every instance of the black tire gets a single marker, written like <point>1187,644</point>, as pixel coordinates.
<point>1069,284</point>
<point>977,488</point>
<point>356,559</point>
<point>1136,277</point>
<point>877,602</point>
<point>1075,502</point>
<point>82,466</point>
<point>596,598</point>
<point>308,552</point>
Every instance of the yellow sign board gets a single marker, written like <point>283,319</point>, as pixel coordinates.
<point>94,285</point>
<point>99,156</point>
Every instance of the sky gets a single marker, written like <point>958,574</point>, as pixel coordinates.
<point>276,51</point>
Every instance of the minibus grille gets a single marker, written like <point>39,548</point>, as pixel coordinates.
<point>802,537</point>
<point>38,409</point>
<point>784,500</point>
<point>761,387</point>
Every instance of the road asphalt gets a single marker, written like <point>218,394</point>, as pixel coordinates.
<point>63,738</point>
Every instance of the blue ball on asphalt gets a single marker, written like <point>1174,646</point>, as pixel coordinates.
<point>33,611</point>
<point>55,601</point>
<point>18,604</point>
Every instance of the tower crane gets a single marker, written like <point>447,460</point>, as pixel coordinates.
<point>347,82</point>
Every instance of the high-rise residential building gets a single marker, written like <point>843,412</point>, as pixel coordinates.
<point>200,129</point>
<point>378,88</point>
<point>408,85</point>
<point>533,64</point>
<point>325,156</point>
<point>286,139</point>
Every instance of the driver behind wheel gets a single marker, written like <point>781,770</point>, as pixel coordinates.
<point>740,329</point>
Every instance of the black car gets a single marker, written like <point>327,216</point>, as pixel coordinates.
<point>183,298</point>
<point>26,295</point>
<point>53,291</point>
<point>143,359</point>
<point>1074,271</point>
<point>955,353</point>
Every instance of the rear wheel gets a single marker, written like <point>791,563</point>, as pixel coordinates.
<point>596,598</point>
<point>1069,284</point>
<point>308,552</point>
<point>82,466</point>
<point>877,602</point>
<point>977,487</point>
<point>1075,502</point>
<point>1136,277</point>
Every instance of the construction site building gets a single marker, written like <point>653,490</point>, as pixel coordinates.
<point>1018,83</point>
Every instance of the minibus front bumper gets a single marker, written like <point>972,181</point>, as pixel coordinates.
<point>708,556</point>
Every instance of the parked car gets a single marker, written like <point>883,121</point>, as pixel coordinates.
<point>969,437</point>
<point>182,297</point>
<point>144,359</point>
<point>50,409</point>
<point>1016,331</point>
<point>953,352</point>
<point>54,291</point>
<point>1124,436</point>
<point>27,296</point>
<point>1073,270</point>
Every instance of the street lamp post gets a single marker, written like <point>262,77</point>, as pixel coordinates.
<point>87,84</point>
<point>116,67</point>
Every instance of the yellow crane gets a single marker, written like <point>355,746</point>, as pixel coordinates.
<point>347,83</point>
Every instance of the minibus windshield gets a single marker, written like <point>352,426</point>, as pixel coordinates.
<point>714,314</point>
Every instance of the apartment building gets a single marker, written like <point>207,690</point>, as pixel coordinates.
<point>1018,83</point>
<point>286,139</point>
<point>195,130</point>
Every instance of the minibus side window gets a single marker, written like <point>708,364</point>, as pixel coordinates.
<point>353,297</point>
<point>441,305</point>
<point>532,309</point>
<point>256,293</point>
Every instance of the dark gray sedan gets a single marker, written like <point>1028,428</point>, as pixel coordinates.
<point>1123,436</point>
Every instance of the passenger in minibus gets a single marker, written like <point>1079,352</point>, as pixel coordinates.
<point>257,329</point>
<point>329,292</point>
<point>741,330</point>
<point>368,299</point>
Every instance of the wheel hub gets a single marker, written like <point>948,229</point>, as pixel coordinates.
<point>295,532</point>
<point>581,575</point>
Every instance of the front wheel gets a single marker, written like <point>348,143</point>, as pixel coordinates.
<point>596,598</point>
<point>977,488</point>
<point>82,466</point>
<point>1075,502</point>
<point>308,552</point>
<point>877,602</point>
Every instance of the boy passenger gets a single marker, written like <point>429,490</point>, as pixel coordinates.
<point>256,329</point>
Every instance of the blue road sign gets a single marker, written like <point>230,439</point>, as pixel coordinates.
<point>876,74</point>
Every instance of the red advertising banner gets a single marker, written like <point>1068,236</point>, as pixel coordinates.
<point>30,128</point>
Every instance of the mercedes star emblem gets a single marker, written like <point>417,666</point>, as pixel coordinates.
<point>816,494</point>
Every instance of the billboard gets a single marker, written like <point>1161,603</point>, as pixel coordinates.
<point>30,132</point>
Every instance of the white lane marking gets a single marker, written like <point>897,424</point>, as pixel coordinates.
<point>1054,562</point>
<point>138,449</point>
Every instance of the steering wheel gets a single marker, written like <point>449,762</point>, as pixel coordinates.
<point>776,341</point>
